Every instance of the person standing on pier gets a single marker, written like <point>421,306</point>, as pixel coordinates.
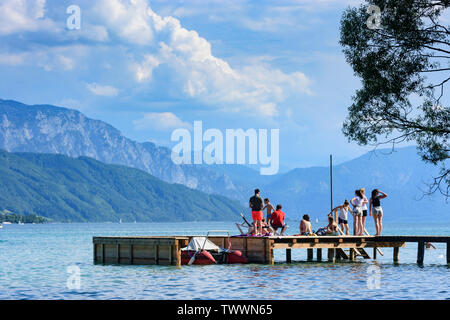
<point>357,203</point>
<point>343,215</point>
<point>364,208</point>
<point>269,209</point>
<point>374,203</point>
<point>256,204</point>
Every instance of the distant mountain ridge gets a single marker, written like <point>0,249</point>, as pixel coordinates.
<point>401,174</point>
<point>65,189</point>
<point>50,129</point>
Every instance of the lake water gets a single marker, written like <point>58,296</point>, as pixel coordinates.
<point>34,261</point>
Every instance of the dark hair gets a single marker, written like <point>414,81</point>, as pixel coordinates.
<point>256,191</point>
<point>279,206</point>
<point>374,193</point>
<point>306,217</point>
<point>346,203</point>
<point>358,193</point>
<point>266,199</point>
<point>330,219</point>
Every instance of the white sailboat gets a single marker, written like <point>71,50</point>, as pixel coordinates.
<point>120,221</point>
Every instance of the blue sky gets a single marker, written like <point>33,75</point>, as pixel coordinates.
<point>149,67</point>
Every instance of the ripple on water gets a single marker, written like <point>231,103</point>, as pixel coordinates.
<point>24,274</point>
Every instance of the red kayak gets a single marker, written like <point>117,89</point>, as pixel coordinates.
<point>202,258</point>
<point>236,256</point>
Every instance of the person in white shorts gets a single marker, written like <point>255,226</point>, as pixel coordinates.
<point>375,207</point>
<point>357,203</point>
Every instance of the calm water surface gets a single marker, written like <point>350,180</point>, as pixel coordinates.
<point>34,261</point>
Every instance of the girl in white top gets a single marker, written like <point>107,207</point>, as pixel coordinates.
<point>357,203</point>
<point>364,207</point>
<point>343,215</point>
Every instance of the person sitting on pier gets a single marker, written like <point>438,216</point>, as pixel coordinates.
<point>267,230</point>
<point>277,220</point>
<point>332,229</point>
<point>343,215</point>
<point>256,204</point>
<point>429,245</point>
<point>305,226</point>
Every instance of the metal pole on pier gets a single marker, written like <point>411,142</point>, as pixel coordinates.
<point>331,181</point>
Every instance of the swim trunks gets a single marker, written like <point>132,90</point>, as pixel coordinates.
<point>257,215</point>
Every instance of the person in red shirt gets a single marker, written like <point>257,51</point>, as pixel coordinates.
<point>277,220</point>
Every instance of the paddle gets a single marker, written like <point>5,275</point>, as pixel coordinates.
<point>192,260</point>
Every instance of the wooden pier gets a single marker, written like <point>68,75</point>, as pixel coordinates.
<point>166,250</point>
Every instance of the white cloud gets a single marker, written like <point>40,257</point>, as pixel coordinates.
<point>52,58</point>
<point>190,68</point>
<point>23,15</point>
<point>212,80</point>
<point>163,121</point>
<point>144,70</point>
<point>12,59</point>
<point>102,90</point>
<point>128,19</point>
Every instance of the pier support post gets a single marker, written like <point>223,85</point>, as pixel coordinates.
<point>310,254</point>
<point>288,255</point>
<point>396,252</point>
<point>319,254</point>
<point>352,254</point>
<point>448,252</point>
<point>156,254</point>
<point>331,255</point>
<point>177,253</point>
<point>130,256</point>
<point>269,251</point>
<point>375,252</point>
<point>420,252</point>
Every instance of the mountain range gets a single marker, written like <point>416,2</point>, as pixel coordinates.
<point>50,129</point>
<point>401,174</point>
<point>83,189</point>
